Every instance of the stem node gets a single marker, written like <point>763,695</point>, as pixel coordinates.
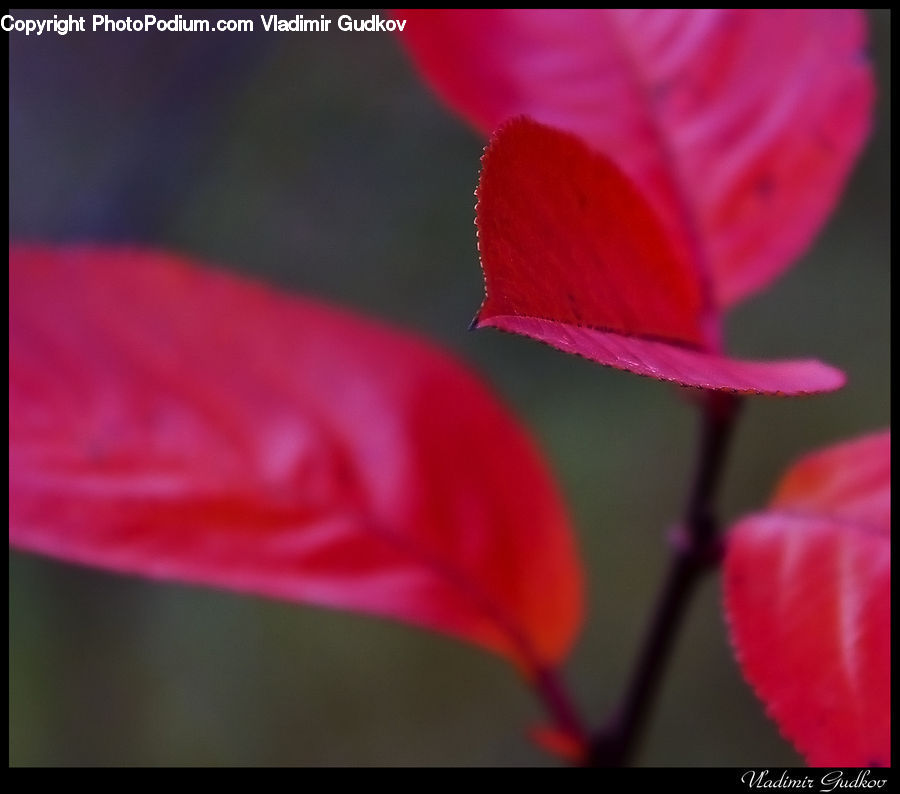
<point>696,548</point>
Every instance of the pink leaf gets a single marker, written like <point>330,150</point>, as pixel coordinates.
<point>740,126</point>
<point>573,256</point>
<point>807,595</point>
<point>179,423</point>
<point>849,482</point>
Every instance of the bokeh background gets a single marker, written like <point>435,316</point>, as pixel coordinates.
<point>320,163</point>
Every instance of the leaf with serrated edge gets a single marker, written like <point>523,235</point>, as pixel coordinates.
<point>574,257</point>
<point>740,126</point>
<point>807,596</point>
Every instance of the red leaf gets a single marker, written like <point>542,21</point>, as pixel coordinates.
<point>564,235</point>
<point>807,594</point>
<point>680,365</point>
<point>559,743</point>
<point>574,256</point>
<point>849,482</point>
<point>179,423</point>
<point>740,126</point>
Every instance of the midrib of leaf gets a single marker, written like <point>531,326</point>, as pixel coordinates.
<point>217,414</point>
<point>669,155</point>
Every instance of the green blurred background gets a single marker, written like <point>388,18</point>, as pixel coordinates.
<point>320,163</point>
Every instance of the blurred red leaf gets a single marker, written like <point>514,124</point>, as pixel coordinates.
<point>739,125</point>
<point>807,595</point>
<point>574,256</point>
<point>179,423</point>
<point>848,482</point>
<point>559,743</point>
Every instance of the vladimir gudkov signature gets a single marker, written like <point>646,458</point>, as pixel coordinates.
<point>828,782</point>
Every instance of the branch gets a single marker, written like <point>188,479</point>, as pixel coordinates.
<point>696,548</point>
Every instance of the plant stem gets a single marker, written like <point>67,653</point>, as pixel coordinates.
<point>696,548</point>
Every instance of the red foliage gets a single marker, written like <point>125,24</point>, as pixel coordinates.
<point>807,594</point>
<point>574,256</point>
<point>738,125</point>
<point>175,422</point>
<point>180,423</point>
<point>564,235</point>
<point>570,748</point>
<point>734,131</point>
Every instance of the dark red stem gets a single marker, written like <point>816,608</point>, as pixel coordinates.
<point>696,548</point>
